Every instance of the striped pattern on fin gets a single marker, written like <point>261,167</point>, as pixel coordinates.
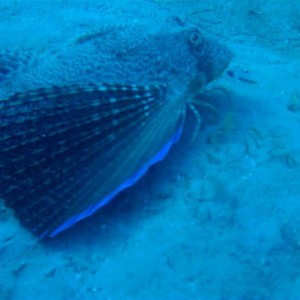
<point>65,150</point>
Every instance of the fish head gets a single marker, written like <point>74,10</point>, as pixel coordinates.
<point>212,57</point>
<point>199,59</point>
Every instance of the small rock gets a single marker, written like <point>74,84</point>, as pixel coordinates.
<point>51,273</point>
<point>294,103</point>
<point>20,268</point>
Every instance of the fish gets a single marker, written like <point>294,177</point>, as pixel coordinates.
<point>81,123</point>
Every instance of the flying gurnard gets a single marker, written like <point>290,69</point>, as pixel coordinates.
<point>82,122</point>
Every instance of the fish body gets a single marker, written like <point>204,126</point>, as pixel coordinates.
<point>127,54</point>
<point>84,122</point>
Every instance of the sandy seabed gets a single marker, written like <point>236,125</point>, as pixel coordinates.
<point>217,219</point>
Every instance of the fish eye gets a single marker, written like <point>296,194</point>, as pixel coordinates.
<point>196,38</point>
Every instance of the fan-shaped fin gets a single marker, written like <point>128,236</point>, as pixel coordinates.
<point>67,151</point>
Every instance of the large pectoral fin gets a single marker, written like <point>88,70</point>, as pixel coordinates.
<point>67,151</point>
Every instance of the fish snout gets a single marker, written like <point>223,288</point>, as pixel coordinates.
<point>214,60</point>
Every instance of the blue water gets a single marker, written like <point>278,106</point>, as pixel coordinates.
<point>217,218</point>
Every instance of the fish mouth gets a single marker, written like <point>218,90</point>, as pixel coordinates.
<point>216,62</point>
<point>210,67</point>
<point>225,58</point>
